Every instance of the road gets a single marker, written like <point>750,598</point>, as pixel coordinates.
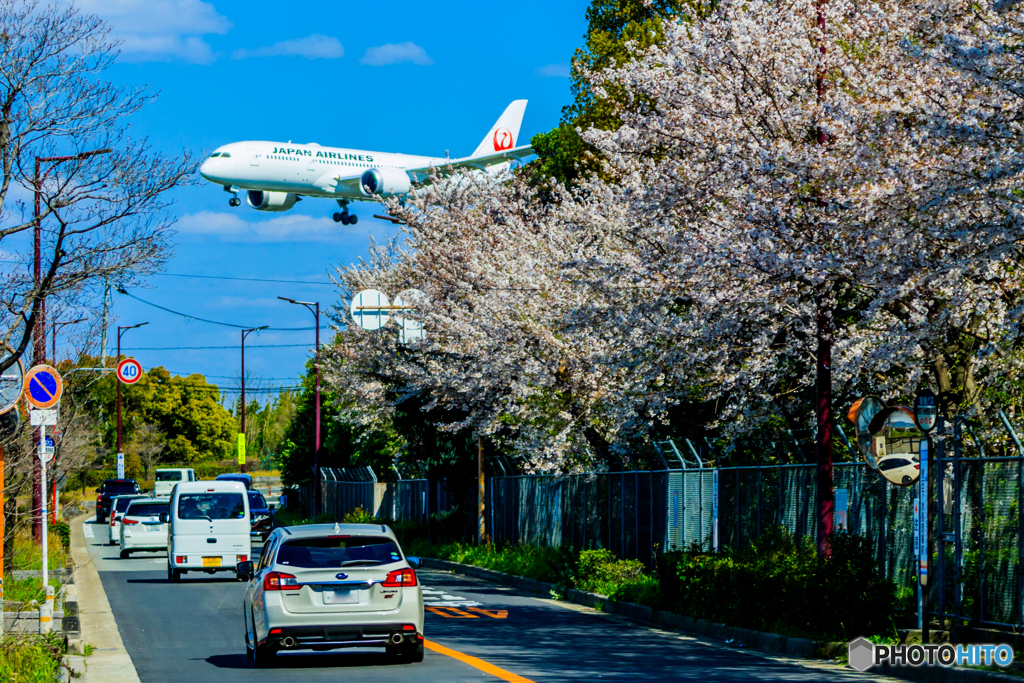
<point>193,631</point>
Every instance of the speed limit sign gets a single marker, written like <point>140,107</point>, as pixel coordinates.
<point>129,371</point>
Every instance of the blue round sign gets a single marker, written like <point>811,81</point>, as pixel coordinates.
<point>43,386</point>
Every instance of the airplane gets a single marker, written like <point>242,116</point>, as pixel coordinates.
<point>275,175</point>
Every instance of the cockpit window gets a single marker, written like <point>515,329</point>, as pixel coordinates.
<point>215,155</point>
<point>224,155</point>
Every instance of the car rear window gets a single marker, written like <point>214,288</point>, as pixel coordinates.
<point>211,506</point>
<point>146,509</point>
<point>168,476</point>
<point>892,463</point>
<point>256,500</point>
<point>121,504</point>
<point>338,551</point>
<point>114,489</point>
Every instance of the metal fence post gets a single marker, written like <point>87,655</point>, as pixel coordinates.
<point>957,527</point>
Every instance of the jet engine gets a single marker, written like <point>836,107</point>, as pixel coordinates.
<point>387,182</point>
<point>271,201</point>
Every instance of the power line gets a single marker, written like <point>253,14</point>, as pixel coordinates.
<point>207,348</point>
<point>246,279</point>
<point>122,290</point>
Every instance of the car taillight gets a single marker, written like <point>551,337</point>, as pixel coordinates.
<point>408,627</point>
<point>112,520</point>
<point>180,559</point>
<point>241,558</point>
<point>99,497</point>
<point>130,522</point>
<point>400,578</point>
<point>278,581</point>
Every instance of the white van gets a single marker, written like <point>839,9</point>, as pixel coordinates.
<point>209,528</point>
<point>167,478</point>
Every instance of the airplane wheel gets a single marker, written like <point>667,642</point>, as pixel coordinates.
<point>339,218</point>
<point>234,201</point>
<point>353,220</point>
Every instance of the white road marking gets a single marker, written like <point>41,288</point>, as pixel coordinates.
<point>439,598</point>
<point>87,529</point>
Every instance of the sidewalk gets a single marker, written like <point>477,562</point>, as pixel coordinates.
<point>109,662</point>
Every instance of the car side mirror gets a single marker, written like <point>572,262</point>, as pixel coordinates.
<point>165,517</point>
<point>414,562</point>
<point>271,507</point>
<point>245,570</point>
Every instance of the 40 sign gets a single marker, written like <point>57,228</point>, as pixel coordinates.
<point>129,371</point>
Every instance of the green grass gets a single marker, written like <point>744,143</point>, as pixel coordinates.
<point>31,659</point>
<point>29,555</point>
<point>24,590</point>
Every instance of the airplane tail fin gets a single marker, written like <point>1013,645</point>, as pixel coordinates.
<point>504,134</point>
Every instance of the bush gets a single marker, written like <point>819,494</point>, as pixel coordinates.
<point>359,516</point>
<point>62,530</point>
<point>778,584</point>
<point>31,659</point>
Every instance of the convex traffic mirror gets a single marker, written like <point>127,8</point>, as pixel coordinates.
<point>896,445</point>
<point>860,414</point>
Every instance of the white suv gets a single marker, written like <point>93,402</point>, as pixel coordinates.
<point>327,586</point>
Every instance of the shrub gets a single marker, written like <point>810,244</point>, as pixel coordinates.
<point>599,571</point>
<point>359,516</point>
<point>31,659</point>
<point>62,530</point>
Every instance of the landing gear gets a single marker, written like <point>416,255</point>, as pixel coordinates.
<point>344,217</point>
<point>234,201</point>
<point>233,191</point>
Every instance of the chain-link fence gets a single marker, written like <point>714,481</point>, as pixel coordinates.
<point>344,490</point>
<point>637,514</point>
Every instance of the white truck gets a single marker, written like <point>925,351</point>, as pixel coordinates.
<point>209,528</point>
<point>168,477</point>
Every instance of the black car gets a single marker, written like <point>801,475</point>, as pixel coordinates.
<point>107,490</point>
<point>262,514</point>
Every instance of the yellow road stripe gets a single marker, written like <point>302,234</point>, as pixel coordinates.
<point>476,663</point>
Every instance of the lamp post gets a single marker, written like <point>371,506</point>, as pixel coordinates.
<point>120,331</point>
<point>314,308</point>
<point>241,435</point>
<point>56,326</point>
<point>39,308</point>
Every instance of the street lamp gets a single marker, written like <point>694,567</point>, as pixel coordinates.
<point>120,331</point>
<point>57,326</point>
<point>39,308</point>
<point>314,308</point>
<point>241,436</point>
<point>40,330</point>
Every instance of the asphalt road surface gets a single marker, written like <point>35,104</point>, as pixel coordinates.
<point>193,631</point>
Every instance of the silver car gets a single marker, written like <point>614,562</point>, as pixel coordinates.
<point>328,586</point>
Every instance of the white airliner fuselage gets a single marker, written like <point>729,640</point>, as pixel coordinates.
<point>275,175</point>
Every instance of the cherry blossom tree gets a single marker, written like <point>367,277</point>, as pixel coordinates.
<point>779,159</point>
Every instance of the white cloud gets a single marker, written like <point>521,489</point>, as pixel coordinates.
<point>160,30</point>
<point>553,71</point>
<point>396,54</point>
<point>315,46</point>
<point>291,227</point>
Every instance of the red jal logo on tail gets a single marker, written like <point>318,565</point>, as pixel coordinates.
<point>502,139</point>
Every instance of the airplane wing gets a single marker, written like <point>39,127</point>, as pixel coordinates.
<point>479,163</point>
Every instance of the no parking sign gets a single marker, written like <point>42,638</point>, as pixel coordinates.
<point>43,387</point>
<point>129,371</point>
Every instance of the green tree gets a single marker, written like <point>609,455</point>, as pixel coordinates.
<point>615,30</point>
<point>185,410</point>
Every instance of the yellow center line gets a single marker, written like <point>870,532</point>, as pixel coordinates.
<point>476,663</point>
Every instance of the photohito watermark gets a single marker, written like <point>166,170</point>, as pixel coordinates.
<point>864,654</point>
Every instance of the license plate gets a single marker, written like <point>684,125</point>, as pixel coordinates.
<point>341,597</point>
<point>211,561</point>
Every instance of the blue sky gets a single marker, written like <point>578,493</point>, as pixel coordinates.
<point>410,77</point>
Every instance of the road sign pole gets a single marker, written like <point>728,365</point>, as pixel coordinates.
<point>42,484</point>
<point>3,531</point>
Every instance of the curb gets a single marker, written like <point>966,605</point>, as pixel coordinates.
<point>800,648</point>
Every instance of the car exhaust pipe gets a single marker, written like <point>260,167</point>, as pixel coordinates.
<point>288,641</point>
<point>396,638</point>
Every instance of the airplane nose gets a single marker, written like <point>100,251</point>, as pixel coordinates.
<point>206,169</point>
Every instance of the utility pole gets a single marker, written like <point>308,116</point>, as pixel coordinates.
<point>314,308</point>
<point>39,331</point>
<point>241,435</point>
<point>823,363</point>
